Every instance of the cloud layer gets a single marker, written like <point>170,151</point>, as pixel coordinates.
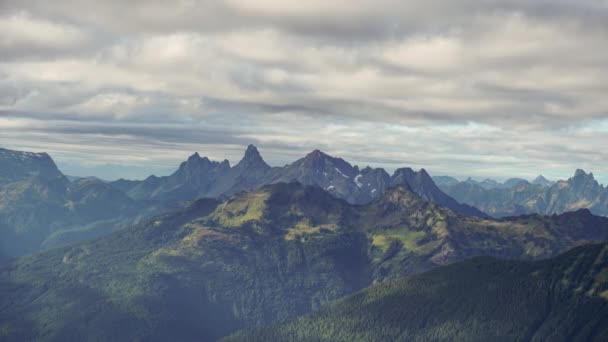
<point>482,88</point>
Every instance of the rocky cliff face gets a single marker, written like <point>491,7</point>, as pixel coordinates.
<point>17,165</point>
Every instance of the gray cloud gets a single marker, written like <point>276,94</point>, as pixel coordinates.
<point>463,87</point>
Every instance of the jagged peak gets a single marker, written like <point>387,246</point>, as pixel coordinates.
<point>424,173</point>
<point>194,156</point>
<point>252,147</point>
<point>252,158</point>
<point>403,171</point>
<point>580,172</point>
<point>408,171</point>
<point>252,151</point>
<point>195,162</point>
<point>195,159</point>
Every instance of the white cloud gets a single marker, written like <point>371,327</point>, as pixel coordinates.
<point>427,54</point>
<point>25,36</point>
<point>473,86</point>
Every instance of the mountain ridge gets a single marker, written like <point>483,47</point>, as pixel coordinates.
<point>317,168</point>
<point>41,208</point>
<point>256,258</point>
<point>544,197</point>
<point>18,165</point>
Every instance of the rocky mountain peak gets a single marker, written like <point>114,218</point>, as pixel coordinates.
<point>582,181</point>
<point>404,171</point>
<point>541,180</point>
<point>196,159</point>
<point>18,165</point>
<point>252,152</point>
<point>197,167</point>
<point>424,175</point>
<point>580,173</point>
<point>316,155</point>
<point>318,160</point>
<point>252,158</point>
<point>408,175</point>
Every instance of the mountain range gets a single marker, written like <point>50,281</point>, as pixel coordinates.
<point>257,258</point>
<point>488,183</point>
<point>40,208</point>
<point>200,177</point>
<point>540,196</point>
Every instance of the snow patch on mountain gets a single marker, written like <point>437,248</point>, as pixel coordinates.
<point>357,180</point>
<point>340,172</point>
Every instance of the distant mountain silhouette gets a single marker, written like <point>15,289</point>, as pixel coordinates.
<point>540,196</point>
<point>199,177</point>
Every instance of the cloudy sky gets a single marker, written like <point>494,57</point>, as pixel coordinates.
<point>481,88</point>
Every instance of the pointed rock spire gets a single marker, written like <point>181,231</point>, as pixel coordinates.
<point>194,156</point>
<point>580,173</point>
<point>424,175</point>
<point>252,158</point>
